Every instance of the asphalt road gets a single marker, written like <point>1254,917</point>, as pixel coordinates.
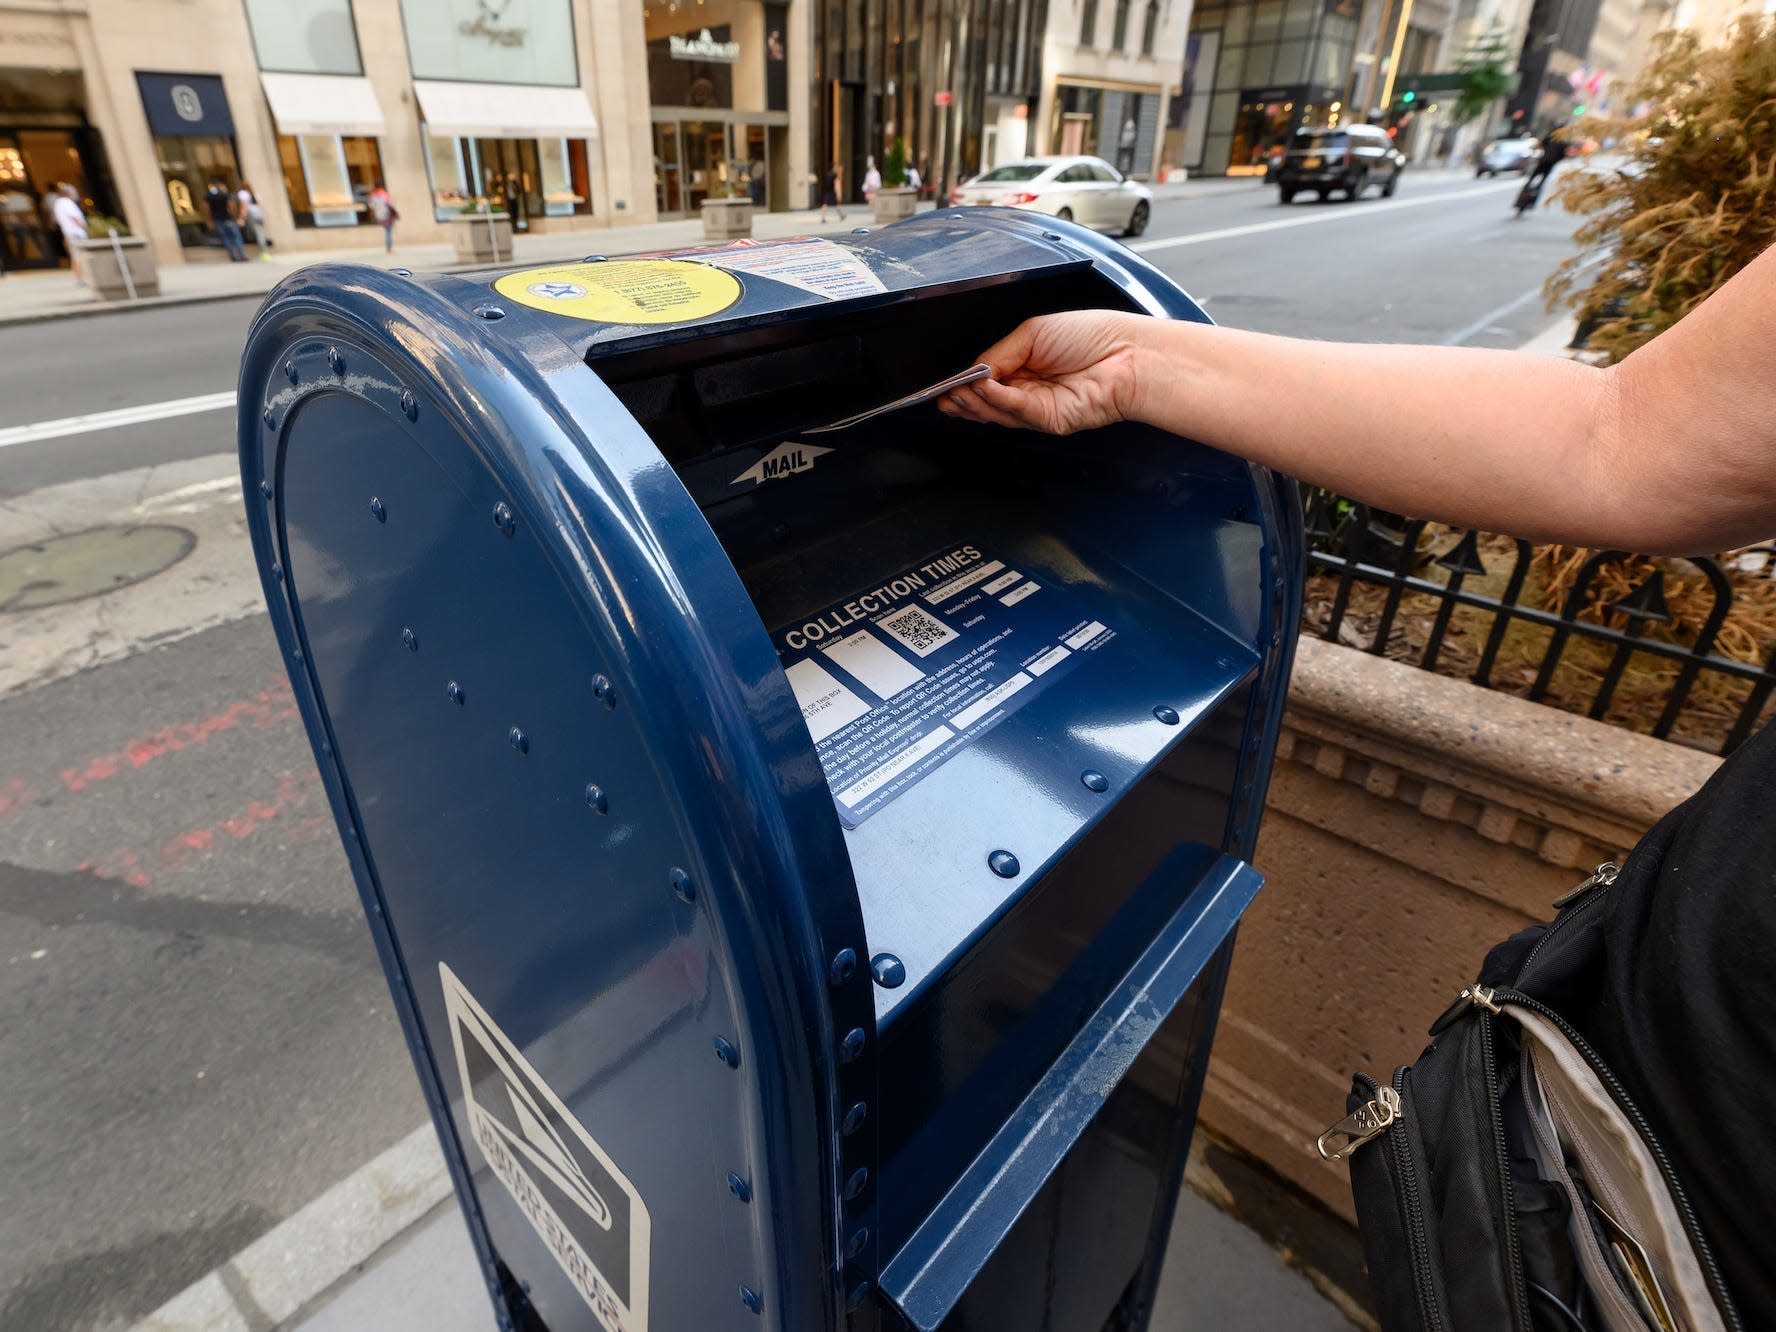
<point>198,1039</point>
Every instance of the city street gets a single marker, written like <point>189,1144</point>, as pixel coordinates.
<point>200,1038</point>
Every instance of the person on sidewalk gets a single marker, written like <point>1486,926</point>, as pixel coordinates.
<point>254,216</point>
<point>70,220</point>
<point>1670,451</point>
<point>224,209</point>
<point>829,193</point>
<point>872,180</point>
<point>382,209</point>
<point>914,181</point>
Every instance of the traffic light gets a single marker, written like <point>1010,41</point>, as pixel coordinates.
<point>1578,108</point>
<point>1409,97</point>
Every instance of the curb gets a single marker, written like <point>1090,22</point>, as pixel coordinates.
<point>281,1273</point>
<point>1554,340</point>
<point>194,298</point>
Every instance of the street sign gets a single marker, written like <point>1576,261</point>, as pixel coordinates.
<point>943,98</point>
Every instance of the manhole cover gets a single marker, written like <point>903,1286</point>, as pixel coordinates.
<point>87,564</point>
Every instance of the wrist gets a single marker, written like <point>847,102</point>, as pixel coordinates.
<point>1146,368</point>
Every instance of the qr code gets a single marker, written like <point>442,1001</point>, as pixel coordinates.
<point>917,630</point>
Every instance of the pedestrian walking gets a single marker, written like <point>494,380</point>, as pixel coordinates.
<point>254,217</point>
<point>383,209</point>
<point>829,193</point>
<point>872,180</point>
<point>914,181</point>
<point>70,219</point>
<point>224,209</point>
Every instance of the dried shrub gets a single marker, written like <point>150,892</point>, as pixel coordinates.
<point>1696,199</point>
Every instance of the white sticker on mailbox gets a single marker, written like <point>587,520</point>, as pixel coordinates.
<point>585,1211</point>
<point>900,677</point>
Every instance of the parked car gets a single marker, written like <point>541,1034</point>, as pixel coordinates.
<point>1350,158</point>
<point>1087,190</point>
<point>1517,155</point>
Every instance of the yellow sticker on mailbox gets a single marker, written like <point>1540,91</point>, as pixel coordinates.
<point>624,291</point>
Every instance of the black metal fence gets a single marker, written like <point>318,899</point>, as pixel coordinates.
<point>1354,544</point>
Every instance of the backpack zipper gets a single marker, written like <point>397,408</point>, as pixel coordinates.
<point>1710,1269</point>
<point>1513,1264</point>
<point>1424,1272</point>
<point>1579,898</point>
<point>1603,876</point>
<point>1367,1121</point>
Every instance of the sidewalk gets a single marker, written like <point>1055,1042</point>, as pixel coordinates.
<point>386,1248</point>
<point>1217,1274</point>
<point>31,296</point>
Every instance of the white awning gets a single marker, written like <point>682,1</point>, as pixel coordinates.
<point>323,104</point>
<point>505,111</point>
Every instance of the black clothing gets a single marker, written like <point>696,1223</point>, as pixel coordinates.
<point>218,200</point>
<point>1685,1007</point>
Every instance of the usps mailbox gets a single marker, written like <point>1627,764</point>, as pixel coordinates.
<point>805,865</point>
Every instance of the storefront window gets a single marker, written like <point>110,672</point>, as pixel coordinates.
<point>694,68</point>
<point>527,178</point>
<point>719,82</point>
<point>567,187</point>
<point>188,163</point>
<point>329,178</point>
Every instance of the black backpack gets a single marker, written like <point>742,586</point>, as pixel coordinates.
<point>1586,1142</point>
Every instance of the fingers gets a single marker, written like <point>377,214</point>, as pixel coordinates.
<point>974,404</point>
<point>1009,354</point>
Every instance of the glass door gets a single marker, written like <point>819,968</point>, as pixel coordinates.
<point>706,158</point>
<point>27,237</point>
<point>755,174</point>
<point>668,178</point>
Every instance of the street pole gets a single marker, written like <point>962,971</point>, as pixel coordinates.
<point>1368,79</point>
<point>129,279</point>
<point>1387,92</point>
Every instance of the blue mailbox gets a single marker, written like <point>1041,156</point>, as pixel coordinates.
<point>805,864</point>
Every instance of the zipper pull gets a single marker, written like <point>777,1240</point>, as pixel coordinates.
<point>1475,996</point>
<point>1369,1120</point>
<point>1604,874</point>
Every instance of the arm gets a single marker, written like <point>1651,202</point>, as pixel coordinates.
<point>1672,450</point>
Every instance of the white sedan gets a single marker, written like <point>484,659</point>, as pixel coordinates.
<point>1086,190</point>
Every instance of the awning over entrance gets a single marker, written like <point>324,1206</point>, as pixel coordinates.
<point>505,111</point>
<point>323,104</point>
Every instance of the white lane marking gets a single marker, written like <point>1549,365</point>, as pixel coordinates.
<point>1313,218</point>
<point>1491,317</point>
<point>121,416</point>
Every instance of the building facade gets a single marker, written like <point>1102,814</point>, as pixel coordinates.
<point>1254,73</point>
<point>567,114</point>
<point>1110,69</point>
<point>956,81</point>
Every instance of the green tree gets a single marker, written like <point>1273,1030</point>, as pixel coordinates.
<point>894,164</point>
<point>1485,74</point>
<point>1694,202</point>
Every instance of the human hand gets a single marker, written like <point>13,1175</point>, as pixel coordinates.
<point>1057,373</point>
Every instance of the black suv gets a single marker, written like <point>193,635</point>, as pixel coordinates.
<point>1350,158</point>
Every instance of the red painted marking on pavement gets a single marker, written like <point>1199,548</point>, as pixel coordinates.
<point>264,711</point>
<point>14,796</point>
<point>295,791</point>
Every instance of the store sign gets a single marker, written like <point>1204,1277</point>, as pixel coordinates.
<point>487,24</point>
<point>703,48</point>
<point>492,41</point>
<point>185,104</point>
